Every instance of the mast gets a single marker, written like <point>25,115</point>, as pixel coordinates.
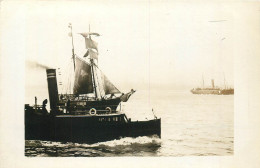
<point>91,44</point>
<point>92,69</point>
<point>212,82</point>
<point>73,54</point>
<point>93,76</point>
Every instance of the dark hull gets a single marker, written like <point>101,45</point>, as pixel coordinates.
<point>227,91</point>
<point>38,126</point>
<point>87,129</point>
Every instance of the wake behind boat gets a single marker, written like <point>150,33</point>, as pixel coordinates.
<point>90,114</point>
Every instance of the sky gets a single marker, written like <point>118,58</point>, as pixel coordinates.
<point>143,44</point>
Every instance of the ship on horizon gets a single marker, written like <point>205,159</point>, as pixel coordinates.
<point>213,90</point>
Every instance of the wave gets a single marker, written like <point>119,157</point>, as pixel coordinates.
<point>140,146</point>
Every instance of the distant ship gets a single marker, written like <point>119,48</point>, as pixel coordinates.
<point>213,90</point>
<point>92,113</point>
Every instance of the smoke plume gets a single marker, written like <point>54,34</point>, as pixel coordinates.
<point>35,64</point>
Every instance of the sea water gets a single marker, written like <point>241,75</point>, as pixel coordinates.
<point>192,125</point>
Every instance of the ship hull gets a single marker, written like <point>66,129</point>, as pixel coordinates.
<point>86,128</point>
<point>213,91</point>
<point>206,92</point>
<point>227,91</point>
<point>92,129</point>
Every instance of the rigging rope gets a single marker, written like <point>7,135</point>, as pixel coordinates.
<point>102,82</point>
<point>98,83</point>
<point>66,87</point>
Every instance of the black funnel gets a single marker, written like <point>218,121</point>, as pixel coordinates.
<point>53,88</point>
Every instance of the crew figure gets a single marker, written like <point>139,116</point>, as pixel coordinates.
<point>61,97</point>
<point>44,110</point>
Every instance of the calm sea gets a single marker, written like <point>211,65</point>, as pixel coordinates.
<point>192,125</point>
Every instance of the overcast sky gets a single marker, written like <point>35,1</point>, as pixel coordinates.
<point>158,45</point>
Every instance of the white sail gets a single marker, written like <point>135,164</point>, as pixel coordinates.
<point>107,86</point>
<point>100,85</point>
<point>91,44</point>
<point>92,54</point>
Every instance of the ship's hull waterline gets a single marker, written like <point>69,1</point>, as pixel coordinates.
<point>86,128</point>
<point>213,91</point>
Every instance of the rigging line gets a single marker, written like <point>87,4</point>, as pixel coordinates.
<point>104,76</point>
<point>67,69</point>
<point>65,76</point>
<point>69,81</point>
<point>72,74</point>
<point>98,80</point>
<point>68,84</point>
<point>73,54</point>
<point>102,83</point>
<point>68,77</point>
<point>98,84</point>
<point>102,80</point>
<point>93,79</point>
<point>83,60</point>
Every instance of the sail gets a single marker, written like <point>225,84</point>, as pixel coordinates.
<point>89,33</point>
<point>98,83</point>
<point>83,79</point>
<point>107,86</point>
<point>91,44</point>
<point>92,54</point>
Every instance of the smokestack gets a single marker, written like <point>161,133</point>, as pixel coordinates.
<point>212,82</point>
<point>53,88</point>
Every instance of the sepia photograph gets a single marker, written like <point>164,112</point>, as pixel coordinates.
<point>124,83</point>
<point>139,79</point>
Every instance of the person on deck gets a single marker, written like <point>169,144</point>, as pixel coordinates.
<point>61,97</point>
<point>44,110</point>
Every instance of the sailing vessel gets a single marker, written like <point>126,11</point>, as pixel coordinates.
<point>213,90</point>
<point>91,113</point>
